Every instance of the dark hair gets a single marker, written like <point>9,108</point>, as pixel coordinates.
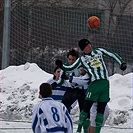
<point>55,69</point>
<point>73,52</point>
<point>45,90</point>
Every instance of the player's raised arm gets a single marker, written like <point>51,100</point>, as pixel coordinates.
<point>64,67</point>
<point>114,56</point>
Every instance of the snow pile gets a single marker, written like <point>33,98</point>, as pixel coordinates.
<point>19,92</point>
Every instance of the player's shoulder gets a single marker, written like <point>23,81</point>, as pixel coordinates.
<point>99,48</point>
<point>37,104</point>
<point>58,103</point>
<point>50,81</point>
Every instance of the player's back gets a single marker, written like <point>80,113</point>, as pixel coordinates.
<point>53,117</point>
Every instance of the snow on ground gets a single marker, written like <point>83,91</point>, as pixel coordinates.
<point>19,127</point>
<point>19,91</point>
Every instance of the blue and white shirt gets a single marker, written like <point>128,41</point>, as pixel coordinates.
<point>50,116</point>
<point>59,91</point>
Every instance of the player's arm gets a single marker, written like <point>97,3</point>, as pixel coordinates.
<point>69,123</point>
<point>35,120</point>
<point>59,82</point>
<point>114,56</point>
<point>69,68</point>
<point>62,78</point>
<point>82,80</point>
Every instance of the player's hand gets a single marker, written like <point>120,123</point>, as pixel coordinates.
<point>123,66</point>
<point>64,76</point>
<point>59,63</point>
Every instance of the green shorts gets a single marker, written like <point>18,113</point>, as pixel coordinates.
<point>98,91</point>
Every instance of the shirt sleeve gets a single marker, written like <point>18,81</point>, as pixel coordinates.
<point>69,123</point>
<point>60,81</point>
<point>75,65</point>
<point>81,80</point>
<point>35,120</point>
<point>112,54</point>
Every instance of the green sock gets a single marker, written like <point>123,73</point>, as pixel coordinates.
<point>82,118</point>
<point>99,122</point>
<point>86,125</point>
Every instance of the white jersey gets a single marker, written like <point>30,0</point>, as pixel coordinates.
<point>75,72</point>
<point>50,116</point>
<point>81,80</point>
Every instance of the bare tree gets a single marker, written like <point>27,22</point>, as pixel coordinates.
<point>124,5</point>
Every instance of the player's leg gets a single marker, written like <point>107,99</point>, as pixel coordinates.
<point>69,98</point>
<point>93,113</point>
<point>103,86</point>
<point>89,100</point>
<point>91,129</point>
<point>86,125</point>
<point>106,114</point>
<point>98,91</point>
<point>81,98</point>
<point>100,116</point>
<point>102,102</point>
<point>84,114</point>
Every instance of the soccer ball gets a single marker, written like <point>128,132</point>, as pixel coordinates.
<point>93,22</point>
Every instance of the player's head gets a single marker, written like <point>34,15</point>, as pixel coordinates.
<point>85,45</point>
<point>72,56</point>
<point>45,90</point>
<point>56,73</point>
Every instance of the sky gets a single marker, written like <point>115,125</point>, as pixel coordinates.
<point>19,92</point>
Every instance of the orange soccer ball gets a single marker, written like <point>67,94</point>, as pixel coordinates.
<point>93,22</point>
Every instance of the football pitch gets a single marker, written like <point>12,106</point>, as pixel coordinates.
<point>23,127</point>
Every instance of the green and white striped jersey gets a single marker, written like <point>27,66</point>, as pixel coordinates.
<point>94,63</point>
